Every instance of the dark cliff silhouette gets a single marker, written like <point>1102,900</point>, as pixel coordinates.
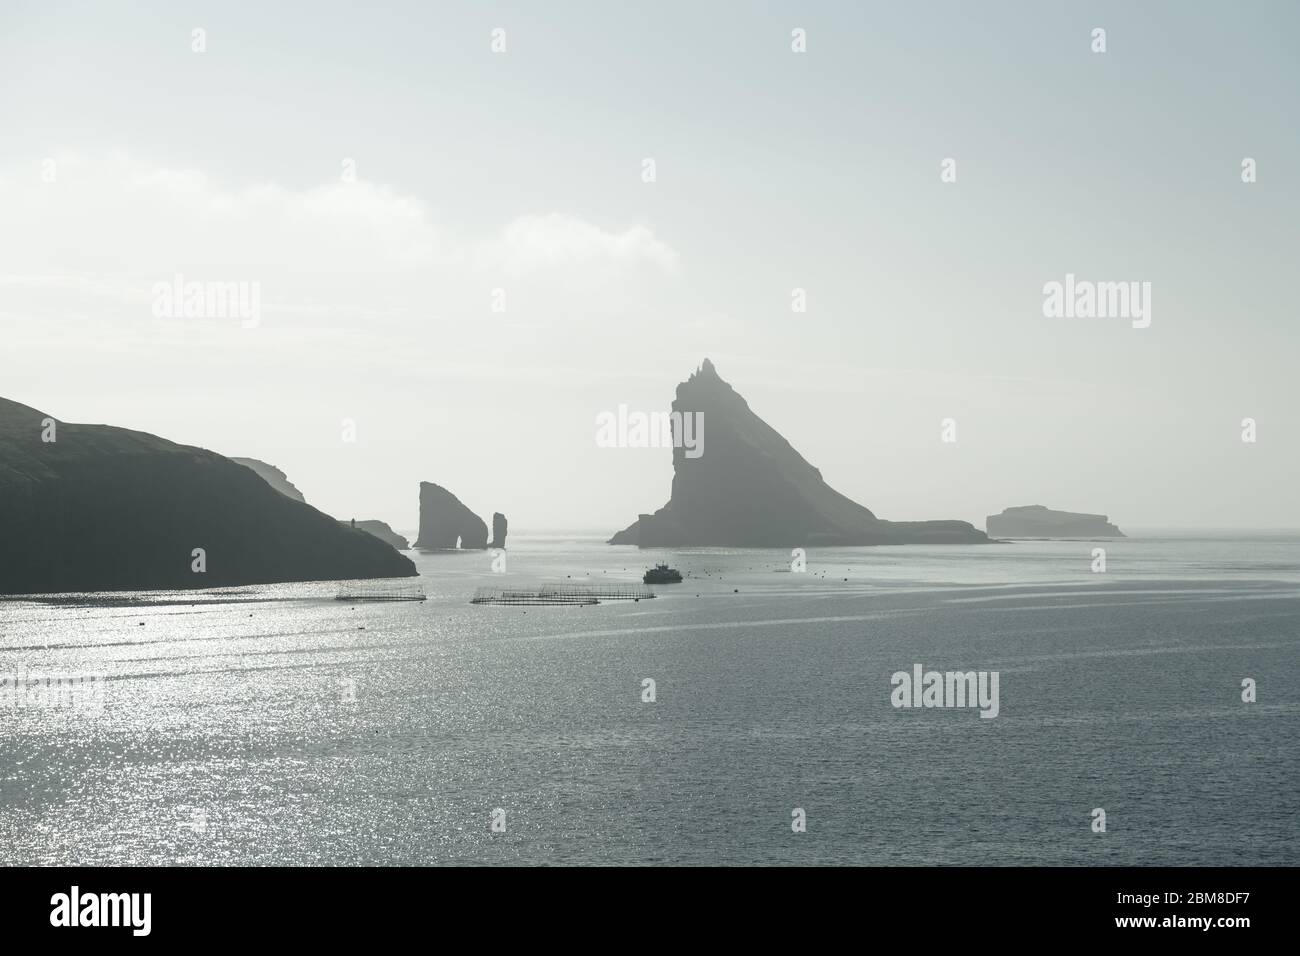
<point>445,523</point>
<point>273,476</point>
<point>1038,521</point>
<point>384,533</point>
<point>278,480</point>
<point>498,530</point>
<point>105,509</point>
<point>748,487</point>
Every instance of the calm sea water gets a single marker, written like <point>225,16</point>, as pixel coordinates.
<point>275,725</point>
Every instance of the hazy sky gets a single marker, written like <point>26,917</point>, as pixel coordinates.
<point>523,171</point>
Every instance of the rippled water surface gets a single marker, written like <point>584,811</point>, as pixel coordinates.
<point>275,724</point>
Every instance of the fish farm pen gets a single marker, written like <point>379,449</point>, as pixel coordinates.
<point>380,592</point>
<point>566,594</point>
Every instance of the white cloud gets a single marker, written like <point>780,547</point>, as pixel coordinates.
<point>534,243</point>
<point>118,216</point>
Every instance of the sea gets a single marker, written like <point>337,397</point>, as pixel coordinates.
<point>1147,713</point>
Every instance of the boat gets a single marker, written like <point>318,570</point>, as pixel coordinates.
<point>662,574</point>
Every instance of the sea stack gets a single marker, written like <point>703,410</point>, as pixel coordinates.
<point>1038,521</point>
<point>498,530</point>
<point>446,524</point>
<point>744,485</point>
<point>97,508</point>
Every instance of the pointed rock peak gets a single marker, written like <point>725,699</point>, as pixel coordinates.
<point>748,487</point>
<point>705,384</point>
<point>706,376</point>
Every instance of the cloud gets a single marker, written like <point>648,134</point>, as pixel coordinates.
<point>357,282</point>
<point>118,216</point>
<point>534,243</point>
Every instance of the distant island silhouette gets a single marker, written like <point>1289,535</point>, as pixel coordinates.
<point>99,508</point>
<point>1038,521</point>
<point>280,482</point>
<point>382,531</point>
<point>272,476</point>
<point>748,487</point>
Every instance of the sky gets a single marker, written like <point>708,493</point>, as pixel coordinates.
<point>460,262</point>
